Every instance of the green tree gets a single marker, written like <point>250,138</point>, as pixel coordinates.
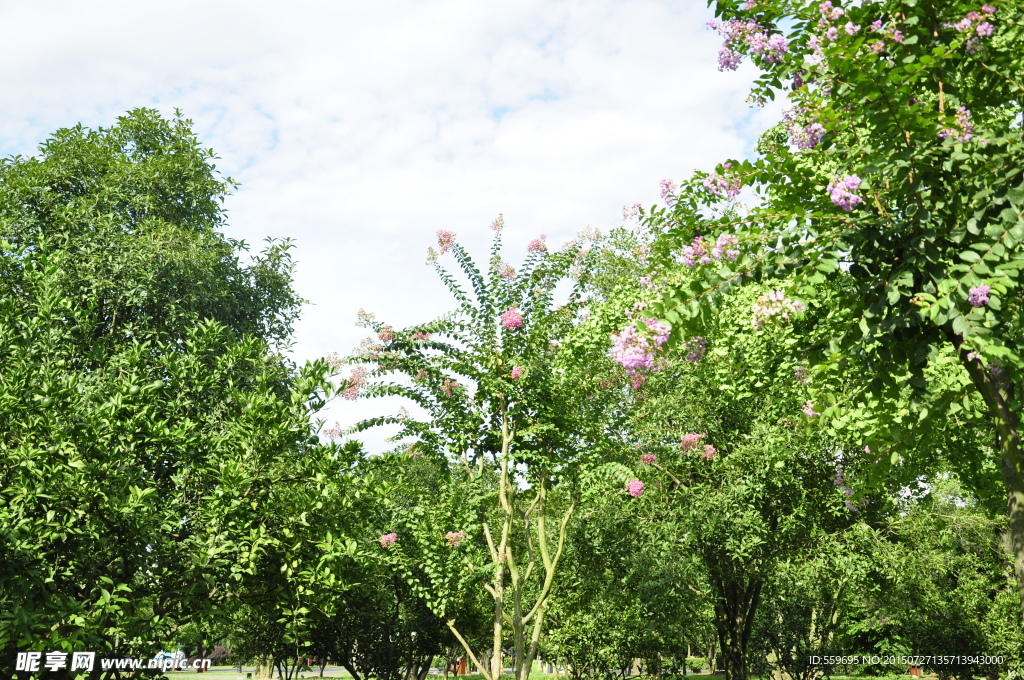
<point>139,205</point>
<point>897,167</point>
<point>507,419</point>
<point>150,430</point>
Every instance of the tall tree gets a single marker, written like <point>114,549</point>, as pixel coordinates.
<point>898,165</point>
<point>149,428</point>
<point>508,420</point>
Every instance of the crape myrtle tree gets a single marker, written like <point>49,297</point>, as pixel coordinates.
<point>624,598</point>
<point>152,437</point>
<point>382,628</point>
<point>731,469</point>
<point>898,165</point>
<point>507,420</point>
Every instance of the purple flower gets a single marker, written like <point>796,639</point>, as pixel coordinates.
<point>388,539</point>
<point>851,28</point>
<point>877,47</point>
<point>635,488</point>
<point>725,246</point>
<point>842,191</point>
<point>978,296</point>
<point>668,192</point>
<point>802,136</point>
<point>648,459</point>
<point>809,410</point>
<point>832,33</point>
<point>634,351</point>
<point>695,348</point>
<point>964,129</point>
<point>985,29</point>
<point>728,60</point>
<point>512,319</point>
<point>814,42</point>
<point>988,9</point>
<point>722,186</point>
<point>876,25</point>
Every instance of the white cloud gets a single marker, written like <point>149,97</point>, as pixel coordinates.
<point>359,129</point>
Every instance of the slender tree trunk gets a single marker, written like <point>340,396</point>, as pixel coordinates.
<point>997,399</point>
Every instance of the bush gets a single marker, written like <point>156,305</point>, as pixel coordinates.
<point>696,664</point>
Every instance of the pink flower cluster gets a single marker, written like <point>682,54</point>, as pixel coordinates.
<point>809,410</point>
<point>333,432</point>
<point>719,185</point>
<point>695,348</point>
<point>964,129</point>
<point>736,33</point>
<point>445,240</point>
<point>517,372</point>
<point>537,245</point>
<point>703,251</point>
<point>841,191</point>
<point>498,223</point>
<point>847,491</point>
<point>454,538</point>
<point>708,452</point>
<point>386,334</point>
<point>690,441</point>
<point>636,352</point>
<point>449,387</point>
<point>354,382</point>
<point>388,539</point>
<point>775,304</point>
<point>829,13</point>
<point>512,319</point>
<point>412,451</point>
<point>421,335</point>
<point>506,271</point>
<point>635,488</point>
<point>978,296</point>
<point>648,459</point>
<point>802,136</point>
<point>668,192</point>
<point>977,25</point>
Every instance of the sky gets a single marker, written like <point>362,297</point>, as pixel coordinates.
<point>360,129</point>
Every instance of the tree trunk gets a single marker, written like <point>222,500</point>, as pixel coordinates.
<point>263,670</point>
<point>735,605</point>
<point>997,398</point>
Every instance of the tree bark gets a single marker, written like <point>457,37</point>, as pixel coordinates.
<point>735,605</point>
<point>997,398</point>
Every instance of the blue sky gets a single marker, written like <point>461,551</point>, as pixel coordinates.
<point>360,129</point>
